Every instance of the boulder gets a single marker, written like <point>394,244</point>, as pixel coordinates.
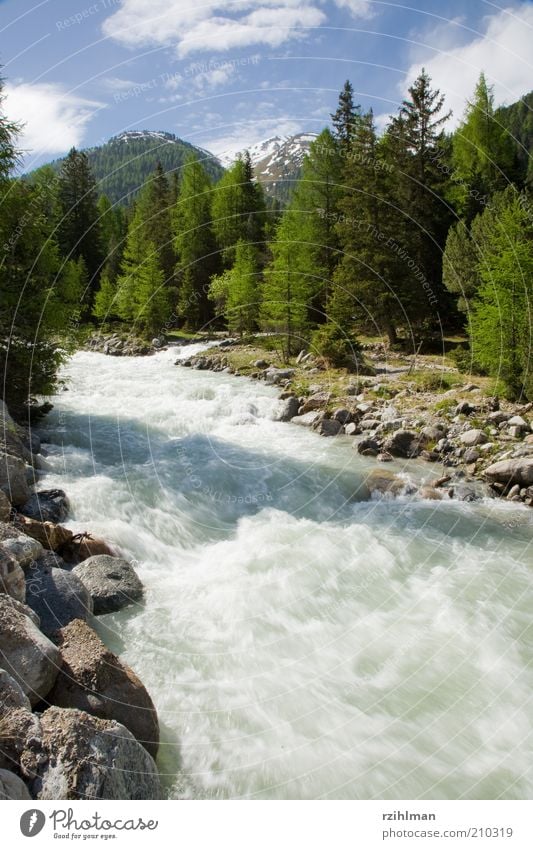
<point>13,481</point>
<point>277,375</point>
<point>50,536</point>
<point>288,410</point>
<point>403,443</point>
<point>471,455</point>
<point>12,787</point>
<point>57,596</point>
<point>12,696</point>
<point>327,427</point>
<point>464,408</point>
<point>509,472</point>
<point>366,445</point>
<point>21,548</point>
<point>5,507</point>
<point>12,578</point>
<point>519,422</point>
<point>351,429</point>
<point>383,482</point>
<point>112,582</point>
<point>93,679</point>
<point>473,437</point>
<point>49,505</point>
<point>384,457</point>
<point>25,653</point>
<point>315,402</point>
<point>308,419</point>
<point>429,493</point>
<point>342,415</point>
<point>78,756</point>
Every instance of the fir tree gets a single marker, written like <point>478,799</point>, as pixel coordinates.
<point>79,229</point>
<point>236,290</point>
<point>346,116</point>
<point>194,243</point>
<point>238,208</point>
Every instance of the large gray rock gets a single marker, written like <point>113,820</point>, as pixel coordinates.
<point>12,578</point>
<point>50,505</point>
<point>316,402</point>
<point>473,437</point>
<point>277,375</point>
<point>12,696</point>
<point>13,482</point>
<point>25,653</point>
<point>403,443</point>
<point>288,410</point>
<point>23,549</point>
<point>518,471</point>
<point>78,756</point>
<point>383,482</point>
<point>112,582</point>
<point>308,419</point>
<point>57,597</point>
<point>93,679</point>
<point>12,787</point>
<point>328,427</point>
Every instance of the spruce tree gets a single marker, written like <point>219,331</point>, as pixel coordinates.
<point>236,290</point>
<point>79,229</point>
<point>195,245</point>
<point>345,118</point>
<point>238,209</point>
<point>484,156</point>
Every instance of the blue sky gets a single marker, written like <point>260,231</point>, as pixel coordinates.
<point>227,74</point>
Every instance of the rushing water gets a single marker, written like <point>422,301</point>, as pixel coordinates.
<point>298,642</point>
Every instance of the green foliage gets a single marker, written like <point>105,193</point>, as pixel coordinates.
<point>517,119</point>
<point>465,362</point>
<point>195,245</point>
<point>122,166</point>
<point>483,153</point>
<point>238,209</point>
<point>346,116</point>
<point>236,291</point>
<point>105,305</point>
<point>339,349</point>
<point>502,316</point>
<point>79,227</point>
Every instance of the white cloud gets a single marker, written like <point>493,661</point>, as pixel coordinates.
<point>222,25</point>
<point>502,51</point>
<point>54,120</point>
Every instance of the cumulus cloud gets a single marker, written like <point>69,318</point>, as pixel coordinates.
<point>222,25</point>
<point>54,120</point>
<point>502,50</point>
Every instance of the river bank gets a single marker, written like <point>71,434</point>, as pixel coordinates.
<point>403,407</point>
<point>75,722</point>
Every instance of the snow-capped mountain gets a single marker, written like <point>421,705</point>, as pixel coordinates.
<point>277,161</point>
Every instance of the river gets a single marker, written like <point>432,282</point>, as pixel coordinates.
<point>299,643</point>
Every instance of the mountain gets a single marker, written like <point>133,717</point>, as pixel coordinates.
<point>277,162</point>
<point>122,164</point>
<point>518,120</point>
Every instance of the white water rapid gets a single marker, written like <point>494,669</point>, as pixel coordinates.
<point>297,642</point>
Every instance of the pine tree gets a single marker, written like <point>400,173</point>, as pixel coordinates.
<point>236,290</point>
<point>484,156</point>
<point>113,232</point>
<point>194,243</point>
<point>502,312</point>
<point>367,283</point>
<point>346,117</point>
<point>416,148</point>
<point>288,286</point>
<point>314,205</point>
<point>238,208</point>
<point>154,207</point>
<point>79,229</point>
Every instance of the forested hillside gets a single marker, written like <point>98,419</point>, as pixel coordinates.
<point>518,119</point>
<point>123,164</point>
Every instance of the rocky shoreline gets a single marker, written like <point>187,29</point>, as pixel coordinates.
<point>484,444</point>
<point>75,722</point>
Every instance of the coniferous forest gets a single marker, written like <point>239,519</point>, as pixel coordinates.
<point>413,234</point>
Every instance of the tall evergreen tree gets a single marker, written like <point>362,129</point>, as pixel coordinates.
<point>238,208</point>
<point>484,156</point>
<point>502,311</point>
<point>416,146</point>
<point>236,290</point>
<point>195,245</point>
<point>288,286</point>
<point>368,282</point>
<point>113,232</point>
<point>345,117</point>
<point>79,228</point>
